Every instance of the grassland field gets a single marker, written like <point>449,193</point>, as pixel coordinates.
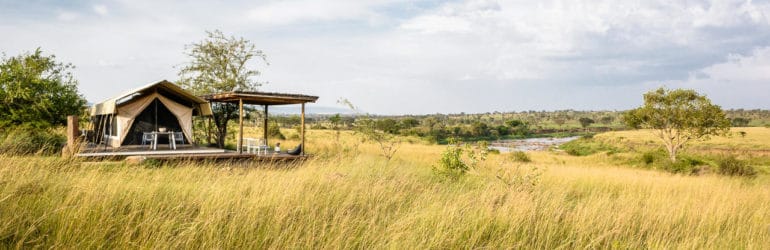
<point>348,196</point>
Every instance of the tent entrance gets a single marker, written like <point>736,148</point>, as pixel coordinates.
<point>154,116</point>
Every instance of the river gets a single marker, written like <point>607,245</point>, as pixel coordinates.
<point>531,144</point>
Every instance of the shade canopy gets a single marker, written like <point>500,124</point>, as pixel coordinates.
<point>260,98</point>
<point>170,90</point>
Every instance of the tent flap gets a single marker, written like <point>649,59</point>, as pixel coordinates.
<point>127,114</point>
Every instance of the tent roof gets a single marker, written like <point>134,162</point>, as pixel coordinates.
<point>260,98</point>
<point>109,106</point>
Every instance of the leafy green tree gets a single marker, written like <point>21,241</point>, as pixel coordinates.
<point>410,123</point>
<point>514,123</point>
<point>607,120</point>
<point>677,117</point>
<point>480,129</point>
<point>37,91</point>
<point>740,122</point>
<point>585,122</point>
<point>518,127</point>
<point>221,64</point>
<point>388,125</point>
<point>559,120</point>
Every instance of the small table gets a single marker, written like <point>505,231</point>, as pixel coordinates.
<point>171,139</point>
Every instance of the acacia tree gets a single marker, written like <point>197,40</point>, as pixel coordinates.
<point>677,117</point>
<point>221,64</point>
<point>37,91</point>
<point>585,122</point>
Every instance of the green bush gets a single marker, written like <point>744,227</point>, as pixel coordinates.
<point>451,164</point>
<point>274,131</point>
<point>732,166</point>
<point>649,158</point>
<point>684,165</point>
<point>587,146</point>
<point>25,141</point>
<point>458,159</point>
<point>520,156</point>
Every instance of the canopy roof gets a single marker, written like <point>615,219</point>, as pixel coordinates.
<point>166,88</point>
<point>260,98</point>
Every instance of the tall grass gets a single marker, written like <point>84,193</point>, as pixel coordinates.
<point>363,201</point>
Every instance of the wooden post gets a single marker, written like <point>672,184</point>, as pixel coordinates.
<point>302,131</point>
<point>72,129</point>
<point>208,132</point>
<point>240,122</point>
<point>264,126</point>
<point>73,133</point>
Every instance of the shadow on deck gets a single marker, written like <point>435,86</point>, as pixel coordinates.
<point>183,152</point>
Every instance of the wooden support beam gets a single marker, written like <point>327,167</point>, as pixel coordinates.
<point>264,126</point>
<point>208,132</point>
<point>302,131</point>
<point>240,122</point>
<point>73,132</point>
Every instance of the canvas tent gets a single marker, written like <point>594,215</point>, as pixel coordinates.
<point>123,119</point>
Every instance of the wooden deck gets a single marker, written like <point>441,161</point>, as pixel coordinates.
<point>185,152</point>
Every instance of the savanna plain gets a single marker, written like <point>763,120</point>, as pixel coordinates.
<point>348,196</point>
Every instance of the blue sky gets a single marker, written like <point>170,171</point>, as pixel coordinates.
<point>416,57</point>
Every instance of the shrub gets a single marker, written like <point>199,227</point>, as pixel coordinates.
<point>24,141</point>
<point>684,165</point>
<point>586,146</point>
<point>520,156</point>
<point>650,157</point>
<point>458,159</point>
<point>732,166</point>
<point>451,163</point>
<point>273,131</point>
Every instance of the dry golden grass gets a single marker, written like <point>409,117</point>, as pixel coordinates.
<point>756,138</point>
<point>349,197</point>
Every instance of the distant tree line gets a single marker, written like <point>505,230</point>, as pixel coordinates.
<point>500,125</point>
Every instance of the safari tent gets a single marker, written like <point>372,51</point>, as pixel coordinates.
<point>122,120</point>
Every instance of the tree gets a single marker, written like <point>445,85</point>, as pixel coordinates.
<point>559,120</point>
<point>410,123</point>
<point>677,117</point>
<point>388,125</point>
<point>37,91</point>
<point>740,122</point>
<point>606,120</point>
<point>220,64</point>
<point>585,122</point>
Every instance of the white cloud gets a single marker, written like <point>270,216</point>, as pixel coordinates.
<point>741,81</point>
<point>297,11</point>
<point>101,10</point>
<point>67,15</point>
<point>425,57</point>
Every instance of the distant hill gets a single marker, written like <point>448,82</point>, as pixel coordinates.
<point>309,109</point>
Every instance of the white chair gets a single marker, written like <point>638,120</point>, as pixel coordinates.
<point>262,146</point>
<point>254,145</point>
<point>178,138</point>
<point>148,137</point>
<point>106,139</point>
<point>249,144</point>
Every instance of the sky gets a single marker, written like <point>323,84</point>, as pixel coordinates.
<point>421,57</point>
